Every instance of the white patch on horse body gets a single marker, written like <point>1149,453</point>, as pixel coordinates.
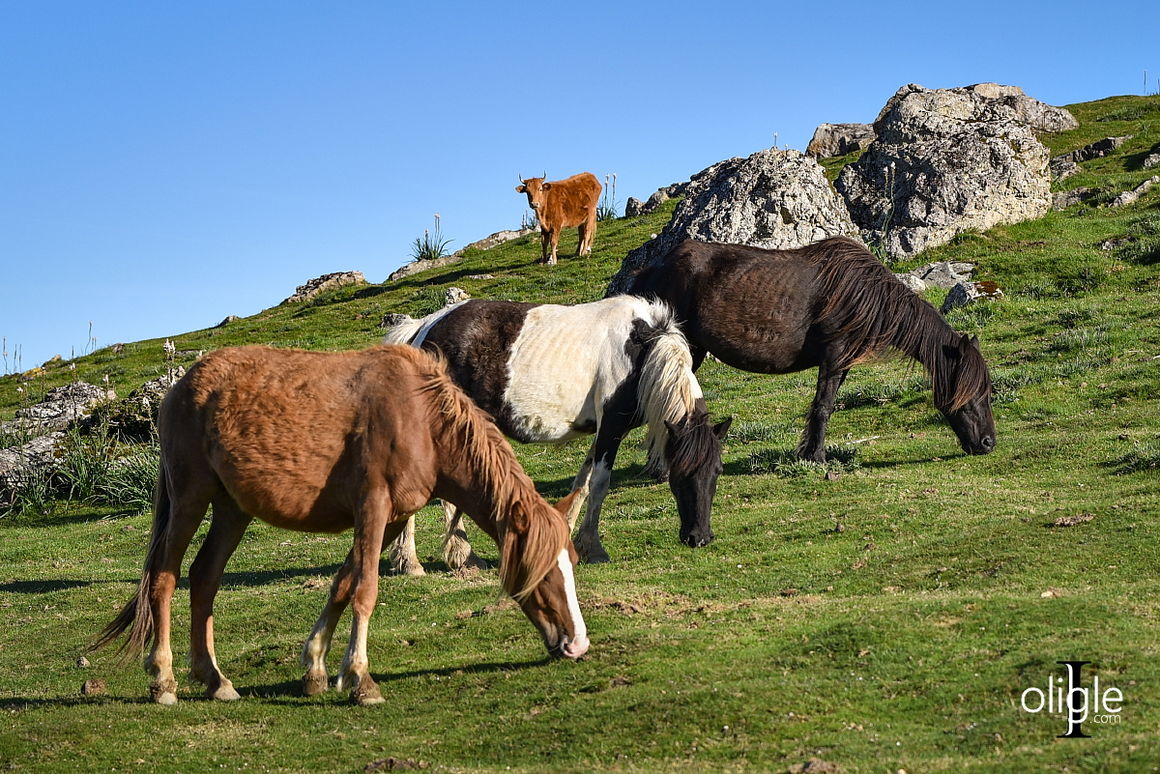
<point>579,642</point>
<point>560,374</point>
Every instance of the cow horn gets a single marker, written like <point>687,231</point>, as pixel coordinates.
<point>522,181</point>
<point>545,174</point>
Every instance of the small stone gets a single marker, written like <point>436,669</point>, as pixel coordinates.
<point>93,687</point>
<point>83,662</point>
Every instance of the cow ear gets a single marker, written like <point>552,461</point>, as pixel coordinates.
<point>545,186</point>
<point>521,189</point>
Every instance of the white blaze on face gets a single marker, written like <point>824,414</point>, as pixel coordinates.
<point>578,645</point>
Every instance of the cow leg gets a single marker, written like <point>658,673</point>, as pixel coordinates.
<point>205,575</point>
<point>545,244</point>
<point>402,554</point>
<point>587,234</point>
<point>555,240</point>
<point>813,444</point>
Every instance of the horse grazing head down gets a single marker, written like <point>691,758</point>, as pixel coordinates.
<point>540,576</point>
<point>693,454</point>
<point>962,392</point>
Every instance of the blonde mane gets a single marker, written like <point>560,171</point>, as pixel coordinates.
<point>530,532</point>
<point>668,390</point>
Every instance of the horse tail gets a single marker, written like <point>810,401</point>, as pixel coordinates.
<point>137,614</point>
<point>668,390</point>
<point>404,331</point>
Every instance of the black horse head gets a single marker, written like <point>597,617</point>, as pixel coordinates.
<point>693,454</point>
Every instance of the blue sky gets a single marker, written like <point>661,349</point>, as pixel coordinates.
<point>164,164</point>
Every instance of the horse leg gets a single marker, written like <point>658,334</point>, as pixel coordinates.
<point>581,482</point>
<point>456,549</point>
<point>317,645</point>
<point>403,558</point>
<point>373,524</point>
<point>205,575</point>
<point>608,437</point>
<point>813,444</point>
<point>186,510</point>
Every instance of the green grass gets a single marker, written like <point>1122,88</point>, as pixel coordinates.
<point>886,617</point>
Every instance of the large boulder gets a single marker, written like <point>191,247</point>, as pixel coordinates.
<point>831,140</point>
<point>946,161</point>
<point>773,199</point>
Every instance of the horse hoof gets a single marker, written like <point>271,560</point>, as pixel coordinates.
<point>166,698</point>
<point>367,693</point>
<point>225,693</point>
<point>314,685</point>
<point>599,556</point>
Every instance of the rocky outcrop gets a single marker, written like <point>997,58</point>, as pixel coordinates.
<point>488,242</point>
<point>1095,150</point>
<point>134,417</point>
<point>326,282</point>
<point>1061,200</point>
<point>772,199</point>
<point>42,427</point>
<point>946,161</point>
<point>831,140</point>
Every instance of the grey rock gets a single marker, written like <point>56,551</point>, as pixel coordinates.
<point>966,293</point>
<point>394,319</point>
<point>1151,160</point>
<point>454,296</point>
<point>633,207</point>
<point>1095,150</point>
<point>831,140</point>
<point>1061,200</point>
<point>944,274</point>
<point>322,284</point>
<point>1128,197</point>
<point>134,417</point>
<point>772,199</point>
<point>17,463</point>
<point>945,161</point>
<point>912,282</point>
<point>1062,168</point>
<point>229,319</point>
<point>59,408</point>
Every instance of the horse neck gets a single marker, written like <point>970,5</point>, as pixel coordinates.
<point>924,337</point>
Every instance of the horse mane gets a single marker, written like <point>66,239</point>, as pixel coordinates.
<point>668,391</point>
<point>864,303</point>
<point>530,532</point>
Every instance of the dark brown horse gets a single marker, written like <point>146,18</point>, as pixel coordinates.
<point>828,306</point>
<point>321,442</point>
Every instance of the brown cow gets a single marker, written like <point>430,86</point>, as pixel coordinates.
<point>562,204</point>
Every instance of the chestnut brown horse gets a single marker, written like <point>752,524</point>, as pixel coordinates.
<point>828,306</point>
<point>321,442</point>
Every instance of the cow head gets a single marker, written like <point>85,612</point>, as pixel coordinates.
<point>535,188</point>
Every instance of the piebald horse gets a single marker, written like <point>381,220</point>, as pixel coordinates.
<point>321,442</point>
<point>828,306</point>
<point>549,373</point>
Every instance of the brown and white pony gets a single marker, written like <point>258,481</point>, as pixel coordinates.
<point>321,442</point>
<point>829,306</point>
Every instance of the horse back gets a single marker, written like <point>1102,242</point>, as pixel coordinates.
<point>755,309</point>
<point>296,438</point>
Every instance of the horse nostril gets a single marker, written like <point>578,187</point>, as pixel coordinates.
<point>988,443</point>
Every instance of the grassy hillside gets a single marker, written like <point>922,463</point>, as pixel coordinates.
<point>887,616</point>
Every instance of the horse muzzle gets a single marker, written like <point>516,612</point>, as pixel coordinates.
<point>697,539</point>
<point>570,649</point>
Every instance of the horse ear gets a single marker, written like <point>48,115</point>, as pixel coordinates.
<point>975,342</point>
<point>564,504</point>
<point>722,427</point>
